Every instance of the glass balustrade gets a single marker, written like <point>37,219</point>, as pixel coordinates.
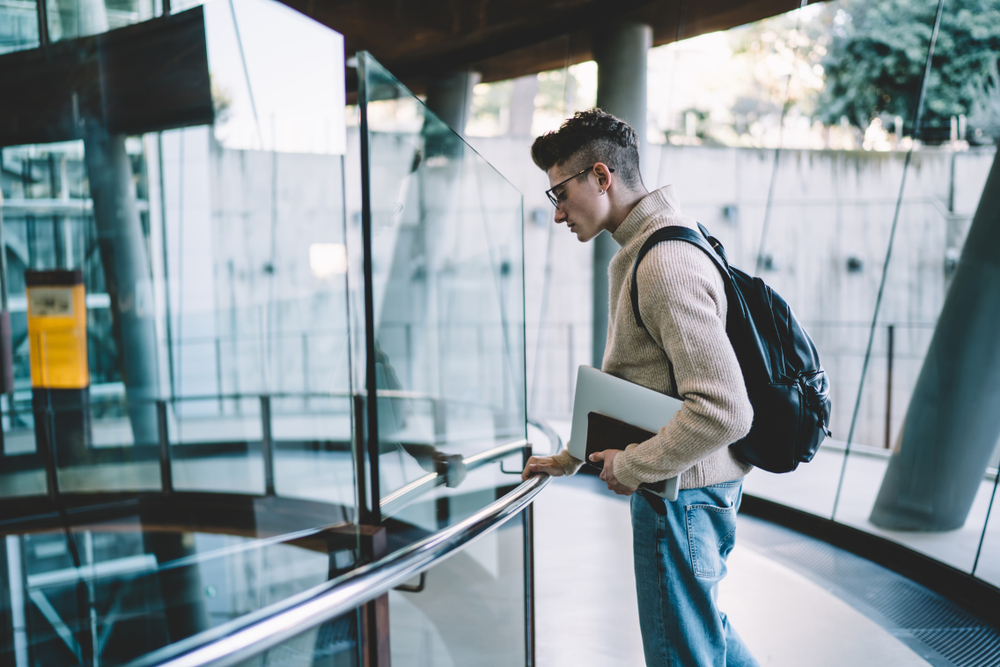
<point>207,416</point>
<point>179,439</point>
<point>445,326</point>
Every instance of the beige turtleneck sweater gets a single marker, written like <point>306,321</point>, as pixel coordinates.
<point>686,354</point>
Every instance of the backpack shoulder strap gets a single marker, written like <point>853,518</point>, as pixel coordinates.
<point>680,233</point>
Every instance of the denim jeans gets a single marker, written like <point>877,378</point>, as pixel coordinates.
<point>680,558</point>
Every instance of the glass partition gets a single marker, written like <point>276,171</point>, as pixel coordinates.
<point>178,443</point>
<point>67,19</point>
<point>987,564</point>
<point>445,350</point>
<point>185,436</point>
<point>18,25</point>
<point>447,304</point>
<point>868,246</point>
<point>150,585</point>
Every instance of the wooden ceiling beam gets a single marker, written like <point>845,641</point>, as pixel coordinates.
<point>417,39</point>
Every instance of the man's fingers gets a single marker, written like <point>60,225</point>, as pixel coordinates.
<point>530,468</point>
<point>538,465</point>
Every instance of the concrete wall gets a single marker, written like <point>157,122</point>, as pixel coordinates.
<point>827,239</point>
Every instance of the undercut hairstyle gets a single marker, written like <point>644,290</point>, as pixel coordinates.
<point>587,138</point>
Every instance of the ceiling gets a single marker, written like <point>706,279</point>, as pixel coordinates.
<point>504,39</point>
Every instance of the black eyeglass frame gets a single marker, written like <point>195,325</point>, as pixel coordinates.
<point>549,193</point>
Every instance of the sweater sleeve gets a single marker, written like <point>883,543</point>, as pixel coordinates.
<point>569,463</point>
<point>683,304</point>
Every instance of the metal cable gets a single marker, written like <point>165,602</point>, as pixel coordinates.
<point>918,116</point>
<point>777,151</point>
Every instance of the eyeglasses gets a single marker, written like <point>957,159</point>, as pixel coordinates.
<point>556,199</point>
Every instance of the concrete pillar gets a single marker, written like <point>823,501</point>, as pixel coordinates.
<point>449,96</point>
<point>620,51</point>
<point>952,424</point>
<point>127,274</point>
<point>522,105</point>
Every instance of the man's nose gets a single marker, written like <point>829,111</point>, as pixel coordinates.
<point>560,215</point>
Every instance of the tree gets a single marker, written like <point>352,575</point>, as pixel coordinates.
<point>876,56</point>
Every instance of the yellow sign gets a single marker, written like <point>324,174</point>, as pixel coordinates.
<point>57,335</point>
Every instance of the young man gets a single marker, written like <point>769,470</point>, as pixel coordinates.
<point>593,167</point>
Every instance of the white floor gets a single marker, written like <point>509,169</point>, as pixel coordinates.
<point>586,608</point>
<point>813,488</point>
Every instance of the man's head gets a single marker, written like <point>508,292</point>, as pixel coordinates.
<point>587,138</point>
<point>591,155</point>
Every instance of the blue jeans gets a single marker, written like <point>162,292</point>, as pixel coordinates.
<point>680,559</point>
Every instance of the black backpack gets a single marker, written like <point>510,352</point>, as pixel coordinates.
<point>785,380</point>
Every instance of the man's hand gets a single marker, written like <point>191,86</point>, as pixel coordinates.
<point>608,473</point>
<point>539,464</point>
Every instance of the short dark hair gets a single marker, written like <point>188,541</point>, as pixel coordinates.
<point>587,138</point>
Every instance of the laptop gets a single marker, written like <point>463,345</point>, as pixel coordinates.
<point>635,405</point>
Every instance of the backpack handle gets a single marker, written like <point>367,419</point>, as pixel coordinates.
<point>708,243</point>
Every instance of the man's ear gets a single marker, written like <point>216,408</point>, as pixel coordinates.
<point>604,176</point>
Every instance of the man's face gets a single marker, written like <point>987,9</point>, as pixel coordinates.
<point>581,204</point>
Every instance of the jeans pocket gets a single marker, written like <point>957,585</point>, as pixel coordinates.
<point>711,532</point>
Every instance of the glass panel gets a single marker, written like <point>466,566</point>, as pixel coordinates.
<point>23,471</point>
<point>333,643</point>
<point>120,588</point>
<point>178,444</point>
<point>470,610</point>
<point>447,280</point>
<point>72,18</point>
<point>899,481</point>
<point>18,25</point>
<point>987,566</point>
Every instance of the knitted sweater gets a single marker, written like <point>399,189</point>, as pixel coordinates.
<point>686,354</point>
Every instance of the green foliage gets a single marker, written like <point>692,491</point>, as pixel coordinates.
<point>876,56</point>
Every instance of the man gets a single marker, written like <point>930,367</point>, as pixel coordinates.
<point>593,167</point>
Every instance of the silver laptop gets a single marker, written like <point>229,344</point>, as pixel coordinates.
<point>625,401</point>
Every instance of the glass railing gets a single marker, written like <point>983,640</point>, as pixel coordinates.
<point>251,353</point>
<point>445,319</point>
<point>446,299</point>
<point>877,265</point>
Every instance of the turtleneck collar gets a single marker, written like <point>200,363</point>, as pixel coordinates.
<point>654,202</point>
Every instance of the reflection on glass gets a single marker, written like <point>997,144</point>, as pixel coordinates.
<point>902,475</point>
<point>109,593</point>
<point>447,281</point>
<point>470,610</point>
<point>69,19</point>
<point>447,358</point>
<point>987,566</point>
<point>847,206</point>
<point>180,344</point>
<point>18,25</point>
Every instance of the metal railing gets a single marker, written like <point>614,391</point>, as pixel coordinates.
<point>403,496</point>
<point>235,642</point>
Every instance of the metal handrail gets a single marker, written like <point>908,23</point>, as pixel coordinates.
<point>549,433</point>
<point>240,640</point>
<point>404,495</point>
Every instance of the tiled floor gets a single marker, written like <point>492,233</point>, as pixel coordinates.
<point>586,609</point>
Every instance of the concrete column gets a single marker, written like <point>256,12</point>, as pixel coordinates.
<point>449,96</point>
<point>952,424</point>
<point>127,274</point>
<point>522,105</point>
<point>620,51</point>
